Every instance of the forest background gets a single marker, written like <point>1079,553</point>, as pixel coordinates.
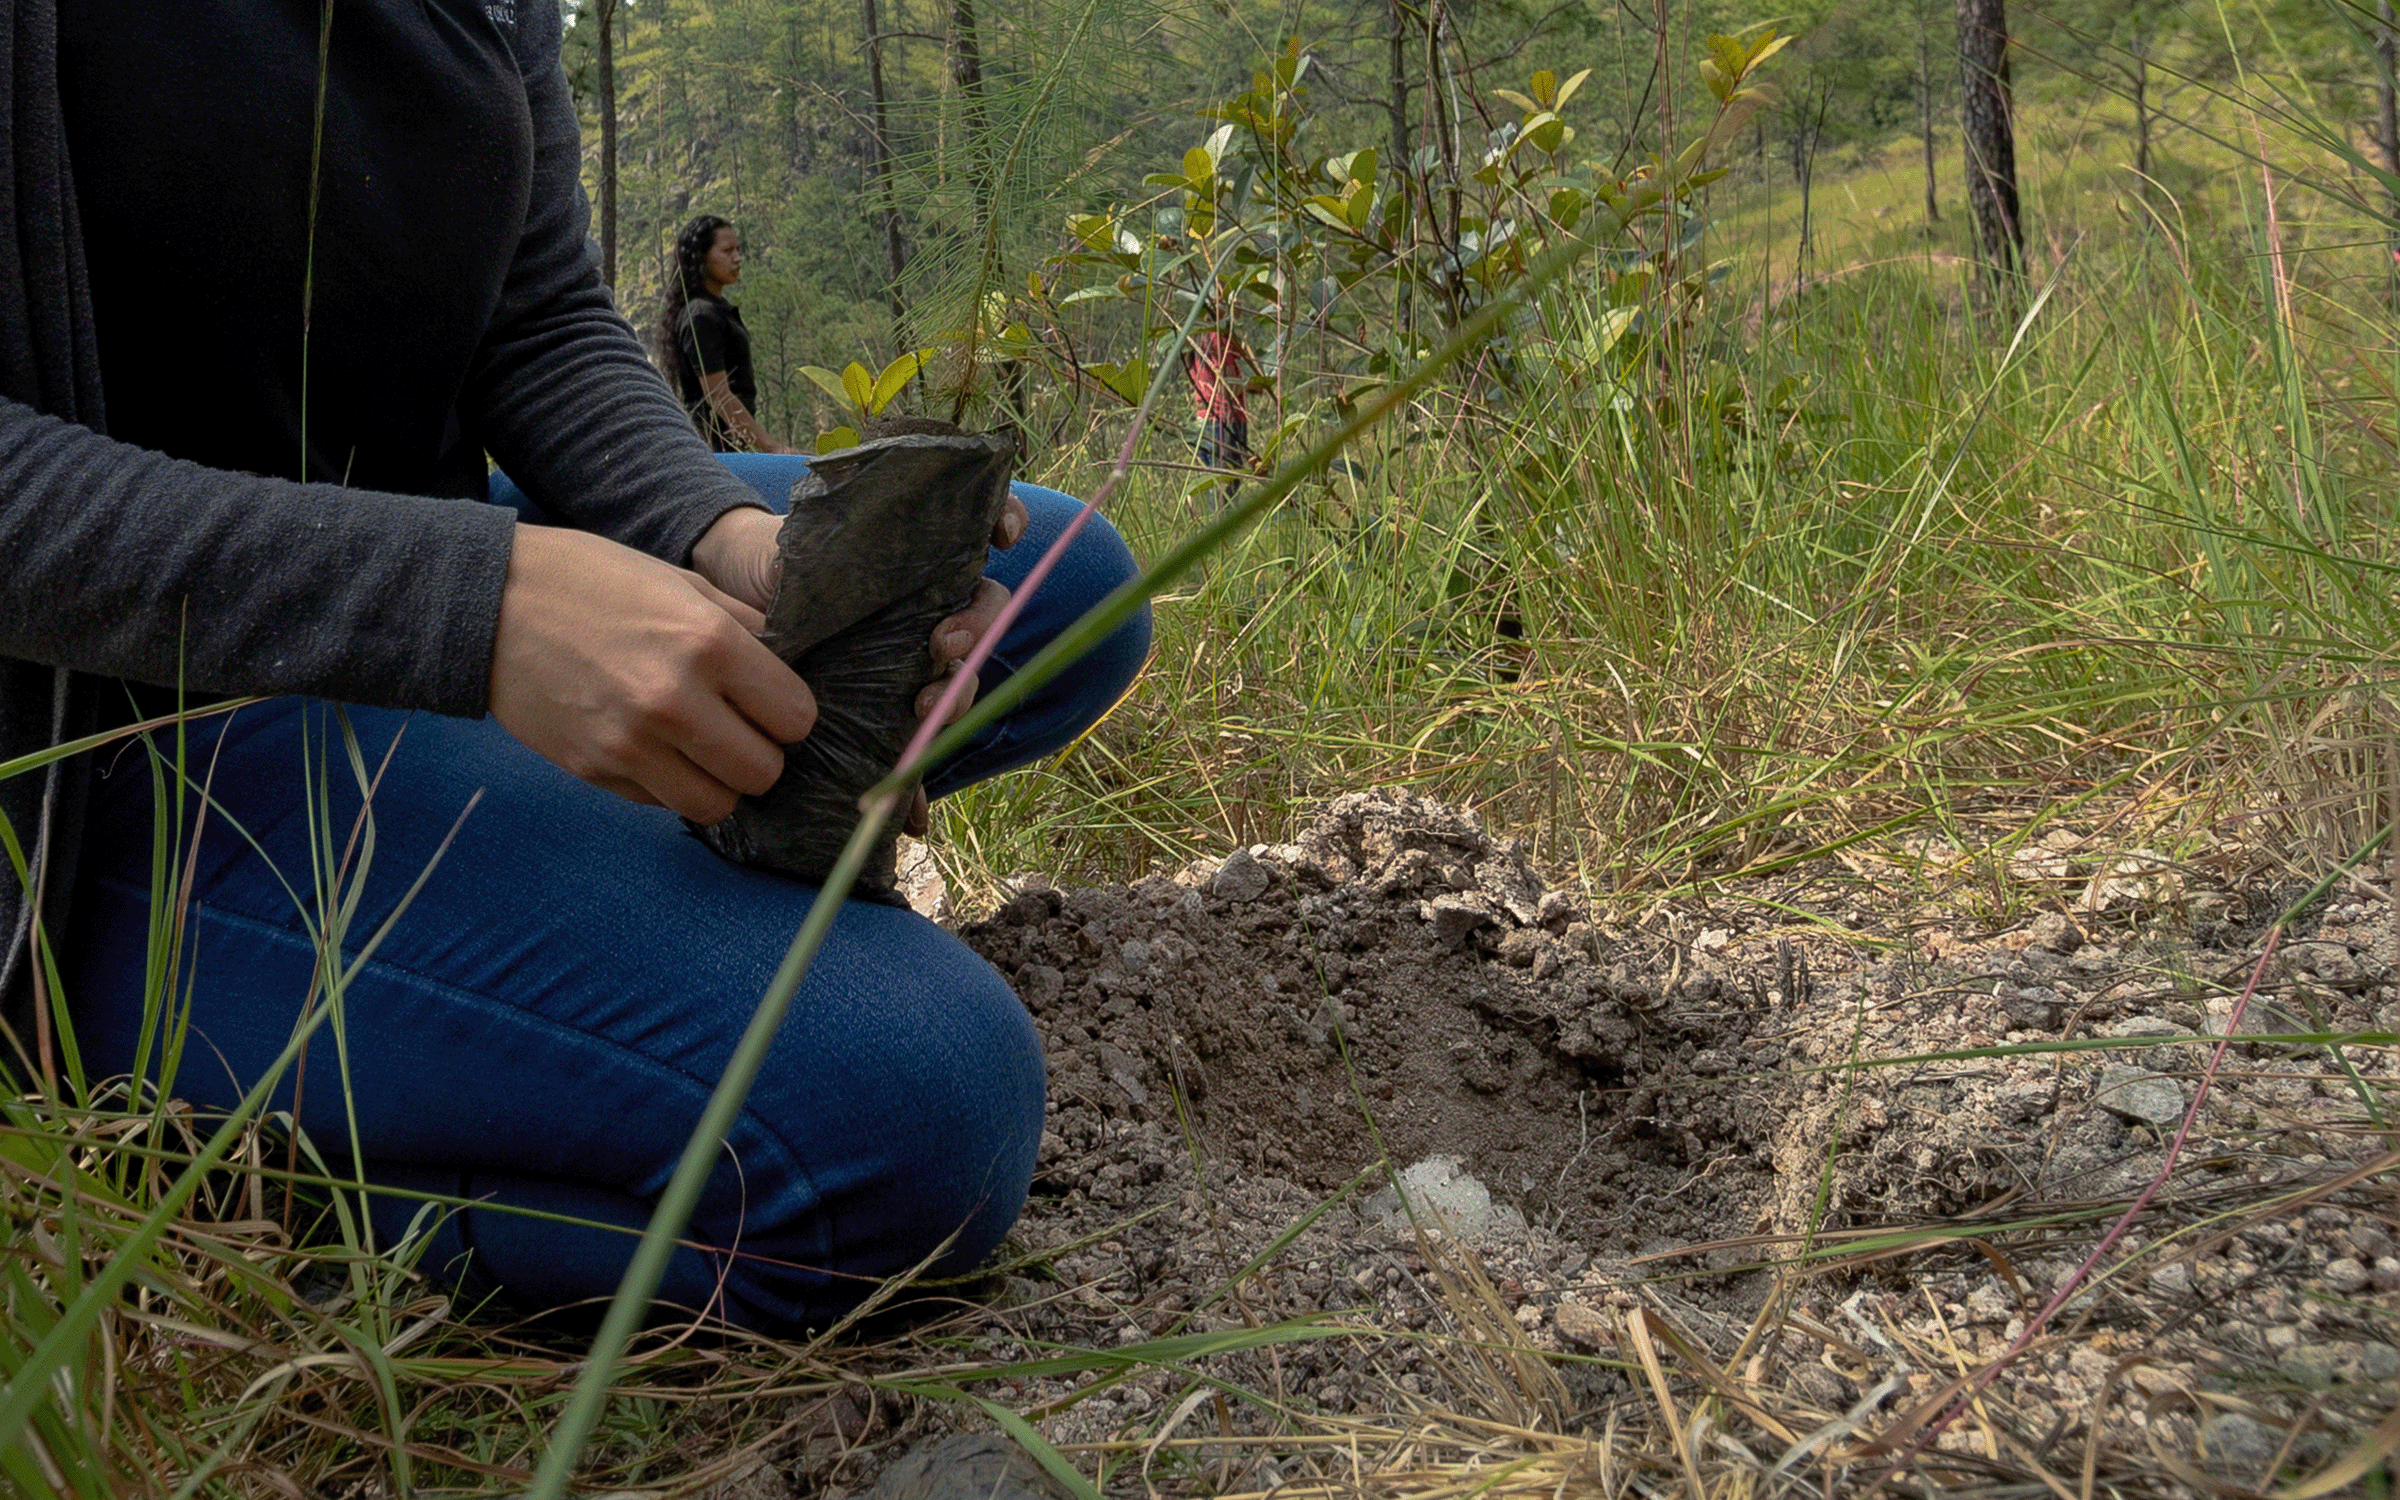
<point>1772,528</point>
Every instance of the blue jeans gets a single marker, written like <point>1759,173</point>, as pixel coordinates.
<point>543,1025</point>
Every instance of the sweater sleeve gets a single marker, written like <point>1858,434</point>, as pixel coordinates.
<point>128,563</point>
<point>561,393</point>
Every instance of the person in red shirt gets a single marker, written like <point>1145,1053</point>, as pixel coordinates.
<point>1215,361</point>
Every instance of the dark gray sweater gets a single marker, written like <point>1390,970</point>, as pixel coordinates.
<point>131,561</point>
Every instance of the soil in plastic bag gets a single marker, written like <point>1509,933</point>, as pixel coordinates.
<point>884,541</point>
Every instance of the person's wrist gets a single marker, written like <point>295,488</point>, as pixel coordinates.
<point>738,554</point>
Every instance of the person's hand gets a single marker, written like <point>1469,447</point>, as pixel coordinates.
<point>774,445</point>
<point>639,677</point>
<point>1012,523</point>
<point>738,554</point>
<point>952,640</point>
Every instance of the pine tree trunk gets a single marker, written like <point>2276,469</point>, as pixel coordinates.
<point>608,145</point>
<point>1991,142</point>
<point>1933,209</point>
<point>2141,117</point>
<point>966,70</point>
<point>2387,51</point>
<point>879,162</point>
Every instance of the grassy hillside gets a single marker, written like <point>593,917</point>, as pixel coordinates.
<point>1852,552</point>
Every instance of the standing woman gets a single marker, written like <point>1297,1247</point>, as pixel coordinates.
<point>701,341</point>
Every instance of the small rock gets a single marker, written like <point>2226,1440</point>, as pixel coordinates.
<point>1584,1327</point>
<point>1240,878</point>
<point>2312,1365</point>
<point>2345,1276</point>
<point>2237,1447</point>
<point>2141,1097</point>
<point>1558,909</point>
<point>1135,955</point>
<point>1520,948</point>
<point>2386,1275</point>
<point>1991,1303</point>
<point>1447,1199</point>
<point>2379,1363</point>
<point>2056,931</point>
<point>2172,1280</point>
<point>1453,917</point>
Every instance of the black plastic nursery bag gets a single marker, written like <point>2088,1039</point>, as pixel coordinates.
<point>884,541</point>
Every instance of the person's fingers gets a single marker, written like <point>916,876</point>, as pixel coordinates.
<point>749,616</point>
<point>957,635</point>
<point>676,782</point>
<point>920,815</point>
<point>1012,523</point>
<point>722,729</point>
<point>931,698</point>
<point>640,678</point>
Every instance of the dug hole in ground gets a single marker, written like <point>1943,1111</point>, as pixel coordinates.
<point>1678,1125</point>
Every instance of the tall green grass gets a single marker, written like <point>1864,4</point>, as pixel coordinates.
<point>1847,554</point>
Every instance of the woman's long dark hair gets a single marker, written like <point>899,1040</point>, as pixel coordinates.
<point>687,277</point>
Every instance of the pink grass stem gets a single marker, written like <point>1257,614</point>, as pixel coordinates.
<point>933,722</point>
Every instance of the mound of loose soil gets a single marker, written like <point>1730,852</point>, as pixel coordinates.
<point>1658,1099</point>
<point>1398,975</point>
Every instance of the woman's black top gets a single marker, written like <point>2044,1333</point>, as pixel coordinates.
<point>710,337</point>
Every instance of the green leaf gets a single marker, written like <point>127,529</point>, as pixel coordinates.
<point>1358,201</point>
<point>1545,88</point>
<point>828,381</point>
<point>894,380</point>
<point>838,438</point>
<point>1529,106</point>
<point>858,386</point>
<point>1127,381</point>
<point>1567,90</point>
<point>1328,208</point>
<point>1199,168</point>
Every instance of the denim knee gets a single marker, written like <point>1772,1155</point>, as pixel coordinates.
<point>943,1104</point>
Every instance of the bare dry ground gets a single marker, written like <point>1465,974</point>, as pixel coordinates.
<point>1722,1195</point>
